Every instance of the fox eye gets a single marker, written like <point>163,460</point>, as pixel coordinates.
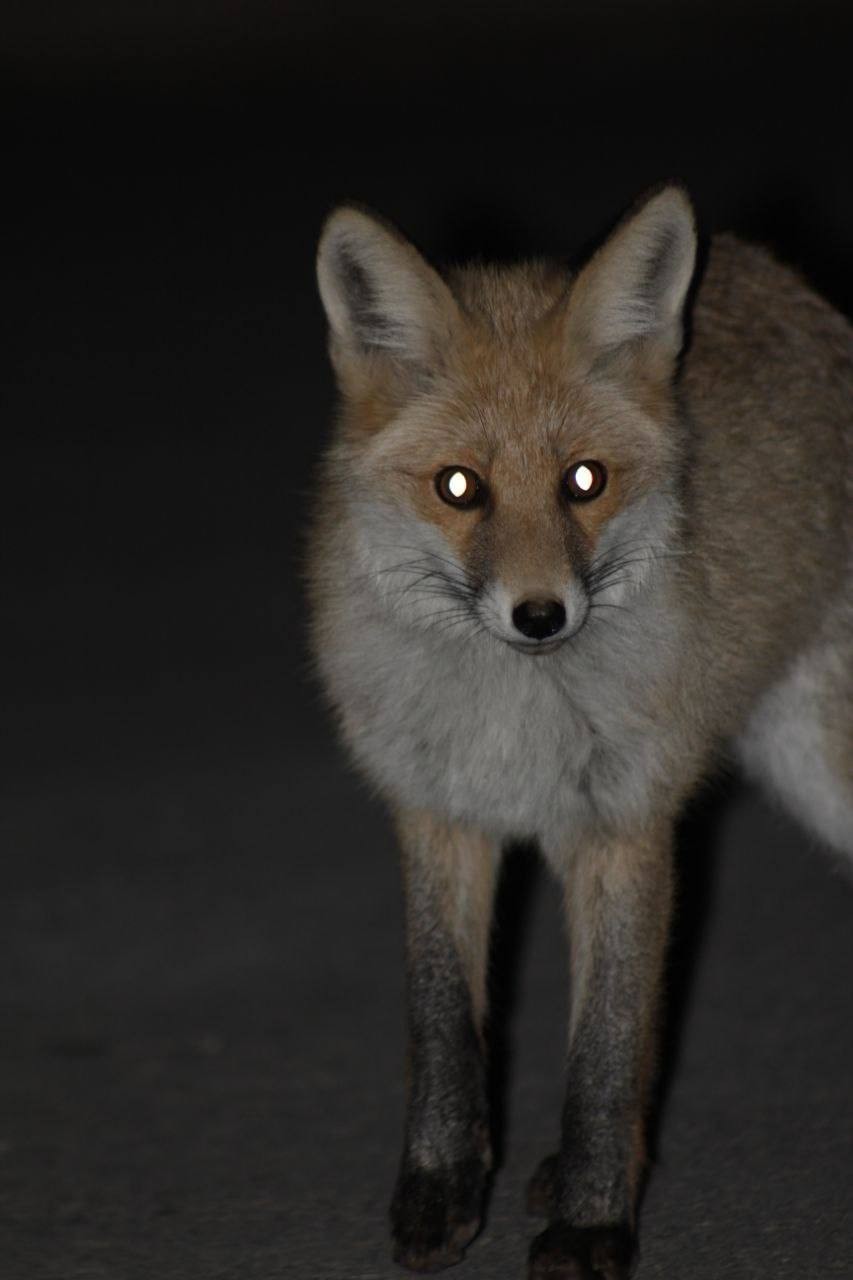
<point>585,480</point>
<point>459,486</point>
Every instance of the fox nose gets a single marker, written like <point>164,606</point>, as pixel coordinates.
<point>539,619</point>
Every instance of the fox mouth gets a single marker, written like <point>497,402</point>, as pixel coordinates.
<point>538,648</point>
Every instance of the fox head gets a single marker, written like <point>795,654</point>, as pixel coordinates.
<point>508,450</point>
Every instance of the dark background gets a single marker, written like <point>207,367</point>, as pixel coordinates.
<point>200,943</point>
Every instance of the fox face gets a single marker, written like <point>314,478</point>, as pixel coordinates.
<point>517,522</point>
<point>509,441</point>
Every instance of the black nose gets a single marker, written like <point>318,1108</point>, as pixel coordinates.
<point>539,619</point>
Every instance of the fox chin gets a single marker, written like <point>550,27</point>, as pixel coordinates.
<point>531,463</point>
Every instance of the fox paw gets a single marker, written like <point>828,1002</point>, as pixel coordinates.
<point>582,1253</point>
<point>436,1213</point>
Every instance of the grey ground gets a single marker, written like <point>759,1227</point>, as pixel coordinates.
<point>202,1020</point>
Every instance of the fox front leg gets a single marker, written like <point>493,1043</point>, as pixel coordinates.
<point>618,897</point>
<point>449,873</point>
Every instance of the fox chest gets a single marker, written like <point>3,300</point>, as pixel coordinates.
<point>507,746</point>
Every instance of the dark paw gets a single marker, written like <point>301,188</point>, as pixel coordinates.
<point>582,1253</point>
<point>436,1213</point>
<point>542,1190</point>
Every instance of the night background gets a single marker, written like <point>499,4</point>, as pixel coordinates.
<point>201,963</point>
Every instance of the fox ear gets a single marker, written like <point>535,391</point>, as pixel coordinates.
<point>380,296</point>
<point>629,298</point>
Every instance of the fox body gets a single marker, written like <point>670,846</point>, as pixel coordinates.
<point>564,562</point>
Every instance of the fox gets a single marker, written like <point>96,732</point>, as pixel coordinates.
<point>582,537</point>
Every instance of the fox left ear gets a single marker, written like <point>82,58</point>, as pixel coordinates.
<point>382,299</point>
<point>628,301</point>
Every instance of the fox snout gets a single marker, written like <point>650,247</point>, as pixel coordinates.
<point>539,619</point>
<point>535,621</point>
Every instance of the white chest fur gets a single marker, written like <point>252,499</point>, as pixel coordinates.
<point>518,745</point>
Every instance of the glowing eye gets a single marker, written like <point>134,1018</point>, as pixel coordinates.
<point>585,480</point>
<point>460,486</point>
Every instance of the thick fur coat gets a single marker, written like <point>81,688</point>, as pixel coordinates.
<point>703,605</point>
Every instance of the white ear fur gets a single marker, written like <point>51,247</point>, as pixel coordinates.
<point>378,292</point>
<point>633,288</point>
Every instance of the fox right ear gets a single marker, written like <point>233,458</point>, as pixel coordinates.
<point>381,297</point>
<point>629,298</point>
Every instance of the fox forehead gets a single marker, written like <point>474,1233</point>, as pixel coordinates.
<point>519,427</point>
<point>511,300</point>
<point>508,384</point>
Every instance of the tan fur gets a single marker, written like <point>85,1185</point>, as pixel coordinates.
<point>510,400</point>
<point>507,379</point>
<point>456,868</point>
<point>723,622</point>
<point>604,875</point>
